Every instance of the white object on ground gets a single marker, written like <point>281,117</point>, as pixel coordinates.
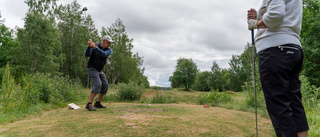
<point>74,106</point>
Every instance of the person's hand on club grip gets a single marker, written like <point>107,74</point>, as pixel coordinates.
<point>252,19</point>
<point>91,44</point>
<point>252,14</point>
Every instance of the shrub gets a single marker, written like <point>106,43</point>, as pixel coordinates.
<point>202,99</point>
<point>30,92</point>
<point>7,93</point>
<point>248,88</point>
<point>311,103</point>
<point>155,87</point>
<point>214,98</point>
<point>130,92</point>
<point>111,96</point>
<point>44,88</point>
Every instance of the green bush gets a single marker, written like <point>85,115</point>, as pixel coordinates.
<point>7,93</point>
<point>111,97</point>
<point>248,88</point>
<point>44,88</point>
<point>202,99</point>
<point>214,98</point>
<point>130,92</point>
<point>30,91</point>
<point>155,87</point>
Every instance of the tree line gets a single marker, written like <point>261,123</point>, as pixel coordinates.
<point>240,71</point>
<point>54,38</point>
<point>188,76</point>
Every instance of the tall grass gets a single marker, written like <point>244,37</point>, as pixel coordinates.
<point>161,99</point>
<point>214,98</point>
<point>311,103</point>
<point>35,92</point>
<point>7,98</point>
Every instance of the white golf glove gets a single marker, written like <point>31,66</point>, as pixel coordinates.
<point>252,24</point>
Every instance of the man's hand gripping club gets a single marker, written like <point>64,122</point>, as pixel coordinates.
<point>91,44</point>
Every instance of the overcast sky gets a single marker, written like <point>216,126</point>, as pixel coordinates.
<point>166,30</point>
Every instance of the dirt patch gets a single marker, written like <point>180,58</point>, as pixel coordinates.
<point>149,94</point>
<point>131,116</point>
<point>143,110</point>
<point>3,129</point>
<point>132,125</point>
<point>130,106</point>
<point>230,92</point>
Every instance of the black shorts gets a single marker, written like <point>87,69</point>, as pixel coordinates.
<point>279,69</point>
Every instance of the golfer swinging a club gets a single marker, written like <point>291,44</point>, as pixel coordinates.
<point>280,61</point>
<point>98,53</point>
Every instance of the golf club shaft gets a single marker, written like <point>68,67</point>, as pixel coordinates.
<point>85,16</point>
<point>254,79</point>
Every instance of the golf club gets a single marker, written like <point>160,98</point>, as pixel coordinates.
<point>85,17</point>
<point>254,79</point>
<point>85,9</point>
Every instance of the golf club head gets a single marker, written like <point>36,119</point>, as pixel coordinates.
<point>84,9</point>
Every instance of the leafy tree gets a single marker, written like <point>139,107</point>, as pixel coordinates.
<point>246,60</point>
<point>39,43</point>
<point>46,7</point>
<point>201,83</point>
<point>235,70</point>
<point>7,44</point>
<point>123,66</point>
<point>226,79</point>
<point>185,73</point>
<point>310,38</point>
<point>73,27</point>
<point>215,81</point>
<point>174,83</point>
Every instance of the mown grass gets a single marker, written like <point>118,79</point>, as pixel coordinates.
<point>135,119</point>
<point>172,113</point>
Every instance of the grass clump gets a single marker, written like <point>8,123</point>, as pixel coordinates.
<point>214,98</point>
<point>161,99</point>
<point>311,103</point>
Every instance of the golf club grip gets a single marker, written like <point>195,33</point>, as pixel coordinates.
<point>252,35</point>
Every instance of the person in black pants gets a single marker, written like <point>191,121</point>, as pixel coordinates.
<point>98,54</point>
<point>280,61</point>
